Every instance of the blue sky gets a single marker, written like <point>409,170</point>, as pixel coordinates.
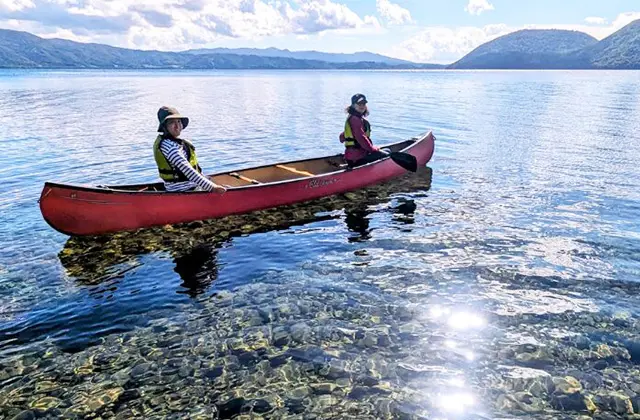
<point>418,30</point>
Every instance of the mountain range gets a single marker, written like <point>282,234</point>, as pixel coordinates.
<point>525,49</point>
<point>24,50</point>
<point>557,49</point>
<point>362,56</point>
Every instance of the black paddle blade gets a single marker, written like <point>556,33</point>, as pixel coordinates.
<point>407,161</point>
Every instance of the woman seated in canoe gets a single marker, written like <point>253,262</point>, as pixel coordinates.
<point>176,157</point>
<point>359,149</point>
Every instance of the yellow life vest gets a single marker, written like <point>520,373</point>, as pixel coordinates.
<point>349,140</point>
<point>169,173</point>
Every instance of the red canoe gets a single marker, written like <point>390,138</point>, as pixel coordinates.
<point>83,210</point>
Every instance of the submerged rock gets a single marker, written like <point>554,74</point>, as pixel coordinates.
<point>573,402</point>
<point>25,415</point>
<point>537,382</point>
<point>231,407</point>
<point>539,359</point>
<point>567,385</point>
<point>323,388</point>
<point>46,403</point>
<point>614,401</point>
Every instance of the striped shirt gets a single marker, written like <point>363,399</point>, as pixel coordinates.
<point>177,157</point>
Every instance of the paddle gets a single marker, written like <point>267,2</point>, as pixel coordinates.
<point>407,161</point>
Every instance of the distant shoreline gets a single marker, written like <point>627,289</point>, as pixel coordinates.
<point>456,70</point>
<point>550,49</point>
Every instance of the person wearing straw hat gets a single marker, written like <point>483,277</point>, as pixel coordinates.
<point>176,157</point>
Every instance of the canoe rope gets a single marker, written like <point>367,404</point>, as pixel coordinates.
<point>244,178</point>
<point>294,170</point>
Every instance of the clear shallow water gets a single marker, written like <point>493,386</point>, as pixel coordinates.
<point>472,290</point>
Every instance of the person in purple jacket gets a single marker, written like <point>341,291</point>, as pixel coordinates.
<point>356,137</point>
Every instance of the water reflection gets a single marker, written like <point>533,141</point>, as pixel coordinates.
<point>357,221</point>
<point>198,269</point>
<point>455,348</point>
<point>465,321</point>
<point>358,218</point>
<point>455,403</point>
<point>194,246</point>
<point>404,212</point>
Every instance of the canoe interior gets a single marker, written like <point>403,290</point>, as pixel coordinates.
<point>267,174</point>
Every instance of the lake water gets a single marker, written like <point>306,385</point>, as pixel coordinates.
<point>500,281</point>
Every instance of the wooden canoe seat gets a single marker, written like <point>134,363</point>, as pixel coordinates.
<point>294,170</point>
<point>244,178</point>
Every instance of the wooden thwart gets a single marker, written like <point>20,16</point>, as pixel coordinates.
<point>244,178</point>
<point>294,170</point>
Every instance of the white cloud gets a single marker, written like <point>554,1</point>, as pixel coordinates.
<point>596,20</point>
<point>179,24</point>
<point>446,45</point>
<point>372,21</point>
<point>624,19</point>
<point>475,7</point>
<point>321,15</point>
<point>392,13</point>
<point>15,5</point>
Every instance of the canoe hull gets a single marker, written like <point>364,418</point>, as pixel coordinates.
<point>78,211</point>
